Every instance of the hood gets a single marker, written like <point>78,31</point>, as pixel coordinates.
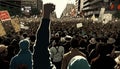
<point>24,44</point>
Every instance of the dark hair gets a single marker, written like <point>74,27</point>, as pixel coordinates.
<point>25,35</point>
<point>32,38</point>
<point>104,49</point>
<point>74,43</point>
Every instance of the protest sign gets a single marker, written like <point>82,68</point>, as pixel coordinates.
<point>107,17</point>
<point>2,30</point>
<point>4,16</point>
<point>79,25</point>
<point>16,25</point>
<point>101,14</point>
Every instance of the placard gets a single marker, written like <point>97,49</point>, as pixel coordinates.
<point>79,25</point>
<point>4,16</point>
<point>101,14</point>
<point>2,30</point>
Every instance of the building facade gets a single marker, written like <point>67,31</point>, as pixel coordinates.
<point>19,7</point>
<point>90,7</point>
<point>12,6</point>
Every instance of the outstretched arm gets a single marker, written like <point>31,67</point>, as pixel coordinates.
<point>41,53</point>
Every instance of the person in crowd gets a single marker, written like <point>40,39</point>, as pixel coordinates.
<point>57,52</point>
<point>25,36</point>
<point>41,56</point>
<point>32,42</point>
<point>4,63</point>
<point>83,45</point>
<point>23,60</point>
<point>75,59</point>
<point>67,43</point>
<point>117,60</point>
<point>91,45</point>
<point>13,49</point>
<point>103,60</point>
<point>111,45</point>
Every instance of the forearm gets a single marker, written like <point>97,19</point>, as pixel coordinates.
<point>43,34</point>
<point>41,53</point>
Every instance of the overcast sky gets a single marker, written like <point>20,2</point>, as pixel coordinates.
<point>60,5</point>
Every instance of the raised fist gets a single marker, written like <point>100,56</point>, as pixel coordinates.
<point>49,8</point>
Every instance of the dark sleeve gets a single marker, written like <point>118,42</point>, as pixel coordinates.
<point>41,54</point>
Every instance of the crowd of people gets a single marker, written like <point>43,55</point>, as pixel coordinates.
<point>92,46</point>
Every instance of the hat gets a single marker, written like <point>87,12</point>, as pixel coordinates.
<point>67,37</point>
<point>111,40</point>
<point>92,41</point>
<point>117,59</point>
<point>2,48</point>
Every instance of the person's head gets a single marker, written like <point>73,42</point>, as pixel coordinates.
<point>24,44</point>
<point>74,43</point>
<point>68,38</point>
<point>92,41</point>
<point>25,35</point>
<point>111,41</point>
<point>32,38</point>
<point>3,50</point>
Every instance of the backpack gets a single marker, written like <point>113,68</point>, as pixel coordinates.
<point>57,57</point>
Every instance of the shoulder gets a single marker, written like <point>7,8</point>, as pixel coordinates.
<point>14,58</point>
<point>67,54</point>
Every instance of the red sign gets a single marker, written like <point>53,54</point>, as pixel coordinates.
<point>118,7</point>
<point>4,16</point>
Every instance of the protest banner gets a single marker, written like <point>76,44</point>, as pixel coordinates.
<point>4,16</point>
<point>16,25</point>
<point>2,30</point>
